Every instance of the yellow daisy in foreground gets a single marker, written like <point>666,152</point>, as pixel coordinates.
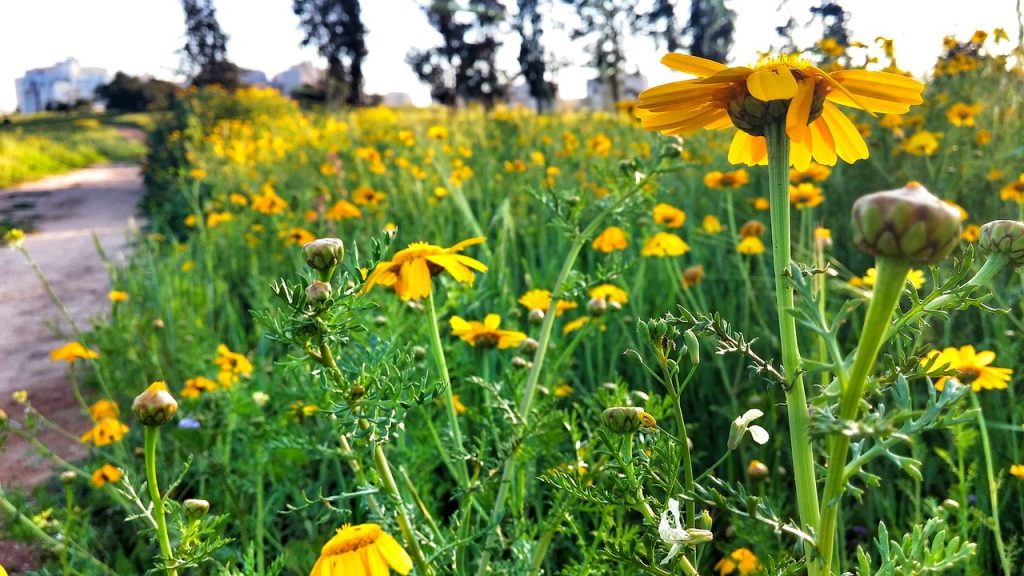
<point>410,270</point>
<point>972,368</point>
<point>361,550</point>
<point>783,88</point>
<point>486,334</point>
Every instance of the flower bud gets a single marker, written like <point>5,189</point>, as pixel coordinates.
<point>536,316</point>
<point>704,520</point>
<point>908,224</point>
<point>529,346</point>
<point>318,292</point>
<point>419,353</point>
<point>324,253</point>
<point>520,362</point>
<point>68,477</point>
<point>757,470</point>
<point>196,508</point>
<point>1004,237</point>
<point>155,406</point>
<point>597,306</point>
<point>627,419</point>
<point>692,346</point>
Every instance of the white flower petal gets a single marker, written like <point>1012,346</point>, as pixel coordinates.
<point>672,553</point>
<point>759,434</point>
<point>751,415</point>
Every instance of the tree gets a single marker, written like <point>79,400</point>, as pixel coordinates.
<point>662,23</point>
<point>205,55</point>
<point>133,94</point>
<point>463,68</point>
<point>710,29</point>
<point>532,59</point>
<point>606,22</point>
<point>336,28</point>
<point>834,19</point>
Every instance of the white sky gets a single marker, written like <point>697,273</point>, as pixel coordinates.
<point>142,36</point>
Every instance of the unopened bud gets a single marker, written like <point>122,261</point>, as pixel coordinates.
<point>536,316</point>
<point>324,254</point>
<point>380,320</point>
<point>597,306</point>
<point>950,504</point>
<point>520,362</point>
<point>318,292</point>
<point>908,224</point>
<point>627,419</point>
<point>68,477</point>
<point>757,470</point>
<point>529,346</point>
<point>196,508</point>
<point>692,346</point>
<point>419,353</point>
<point>704,520</point>
<point>155,406</point>
<point>1004,237</point>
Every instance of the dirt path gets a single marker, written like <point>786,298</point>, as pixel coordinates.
<point>65,212</point>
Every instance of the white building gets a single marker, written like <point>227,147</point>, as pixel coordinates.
<point>62,83</point>
<point>297,76</point>
<point>599,93</point>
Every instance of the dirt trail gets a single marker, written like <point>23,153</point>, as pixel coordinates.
<point>66,212</point>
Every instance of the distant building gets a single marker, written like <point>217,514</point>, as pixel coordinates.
<point>297,76</point>
<point>599,92</point>
<point>519,95</point>
<point>396,100</point>
<point>63,83</point>
<point>248,77</point>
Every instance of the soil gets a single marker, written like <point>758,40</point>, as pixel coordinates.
<point>67,216</point>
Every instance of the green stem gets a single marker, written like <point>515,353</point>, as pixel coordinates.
<point>25,523</point>
<point>993,486</point>
<point>892,274</point>
<point>69,514</point>
<point>388,480</point>
<point>449,399</point>
<point>151,435</point>
<point>796,397</point>
<point>509,468</point>
<point>260,555</point>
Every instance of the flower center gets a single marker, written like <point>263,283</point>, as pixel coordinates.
<point>968,375</point>
<point>352,538</point>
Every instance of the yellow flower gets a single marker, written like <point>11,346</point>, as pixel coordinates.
<point>485,334</point>
<point>297,236</point>
<point>971,233</point>
<point>665,244</point>
<point>1017,470</point>
<point>575,324</point>
<point>922,143</point>
<point>366,196</point>
<point>117,296</point>
<point>106,431</point>
<point>915,278</point>
<point>971,367</point>
<point>72,351</point>
<point>609,293</point>
<point>440,192</point>
<point>460,408</point>
<point>362,550</point>
<point>719,180</point>
<point>1000,35</point>
<point>815,172</point>
<point>437,132</point>
<point>613,238</point>
<point>562,391</point>
<point>962,114</point>
<point>267,201</point>
<point>761,204</point>
<point>194,387</point>
<point>105,474</point>
<point>232,365</point>
<point>538,299</point>
<point>783,88</point>
<point>101,409</point>
<point>238,199</point>
<point>891,121</point>
<point>1014,191</point>
<point>300,410</point>
<point>741,559</point>
<point>983,137</point>
<point>692,276</point>
<point>669,215</point>
<point>411,269</point>
<point>750,246</point>
<point>343,210</point>
<point>805,195</point>
<point>711,224</point>
<point>20,396</point>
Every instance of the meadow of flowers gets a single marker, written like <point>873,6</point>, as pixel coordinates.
<point>490,342</point>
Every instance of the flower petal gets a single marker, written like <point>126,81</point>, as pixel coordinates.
<point>759,434</point>
<point>775,83</point>
<point>492,321</point>
<point>692,64</point>
<point>800,110</point>
<point>823,148</point>
<point>747,149</point>
<point>850,146</point>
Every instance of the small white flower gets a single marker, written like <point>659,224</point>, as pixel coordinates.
<point>742,425</point>
<point>675,534</point>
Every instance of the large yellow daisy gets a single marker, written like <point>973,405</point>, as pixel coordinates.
<point>410,271</point>
<point>972,368</point>
<point>362,550</point>
<point>781,88</point>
